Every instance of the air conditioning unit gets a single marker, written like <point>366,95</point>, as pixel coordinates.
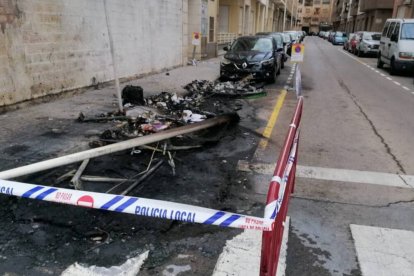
<point>407,2</point>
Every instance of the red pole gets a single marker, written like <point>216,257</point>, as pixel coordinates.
<point>271,240</point>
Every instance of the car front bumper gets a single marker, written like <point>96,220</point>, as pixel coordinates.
<point>258,71</point>
<point>404,64</point>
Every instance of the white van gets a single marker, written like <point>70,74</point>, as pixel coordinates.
<point>397,45</point>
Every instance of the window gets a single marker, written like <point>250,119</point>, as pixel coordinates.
<point>317,11</point>
<point>211,30</point>
<point>326,2</point>
<point>308,3</point>
<point>391,28</point>
<point>397,29</point>
<point>407,31</point>
<point>384,32</point>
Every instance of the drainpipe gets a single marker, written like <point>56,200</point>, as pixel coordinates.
<point>284,18</point>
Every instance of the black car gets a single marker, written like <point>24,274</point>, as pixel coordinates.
<point>256,55</point>
<point>281,45</point>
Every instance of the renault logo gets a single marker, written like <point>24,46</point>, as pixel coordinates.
<point>244,65</point>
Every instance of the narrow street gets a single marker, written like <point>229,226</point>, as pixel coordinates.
<point>356,117</point>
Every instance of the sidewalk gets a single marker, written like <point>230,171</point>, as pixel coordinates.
<point>27,132</point>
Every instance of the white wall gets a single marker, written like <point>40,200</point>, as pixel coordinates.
<point>49,46</point>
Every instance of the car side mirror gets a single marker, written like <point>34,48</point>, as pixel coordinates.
<point>394,38</point>
<point>226,48</point>
<point>289,51</point>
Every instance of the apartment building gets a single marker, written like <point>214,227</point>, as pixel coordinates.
<point>403,9</point>
<point>314,15</point>
<point>362,15</point>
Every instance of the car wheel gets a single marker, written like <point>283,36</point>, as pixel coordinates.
<point>393,70</point>
<point>278,71</point>
<point>380,64</point>
<point>359,53</point>
<point>272,78</point>
<point>283,64</point>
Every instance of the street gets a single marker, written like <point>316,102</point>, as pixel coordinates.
<point>355,168</point>
<point>356,117</point>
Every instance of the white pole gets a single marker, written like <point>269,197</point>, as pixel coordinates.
<point>129,144</point>
<point>114,62</point>
<point>284,17</point>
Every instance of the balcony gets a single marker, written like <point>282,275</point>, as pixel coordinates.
<point>368,5</point>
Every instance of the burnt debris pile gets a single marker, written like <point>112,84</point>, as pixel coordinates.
<point>144,116</point>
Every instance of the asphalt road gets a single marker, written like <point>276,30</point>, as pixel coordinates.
<point>356,117</point>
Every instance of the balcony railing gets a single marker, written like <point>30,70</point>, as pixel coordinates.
<point>223,38</point>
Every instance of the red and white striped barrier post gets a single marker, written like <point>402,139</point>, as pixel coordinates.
<point>280,188</point>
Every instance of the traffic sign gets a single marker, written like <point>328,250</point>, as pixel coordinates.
<point>196,38</point>
<point>298,51</point>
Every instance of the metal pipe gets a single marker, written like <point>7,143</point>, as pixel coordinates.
<point>76,178</point>
<point>92,153</point>
<point>142,178</point>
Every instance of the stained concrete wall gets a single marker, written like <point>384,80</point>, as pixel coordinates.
<point>50,46</point>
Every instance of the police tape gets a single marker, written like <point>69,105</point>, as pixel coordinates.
<point>273,208</point>
<point>136,206</point>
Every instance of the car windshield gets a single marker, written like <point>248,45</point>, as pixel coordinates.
<point>376,36</point>
<point>339,34</point>
<point>286,38</point>
<point>260,44</point>
<point>407,31</point>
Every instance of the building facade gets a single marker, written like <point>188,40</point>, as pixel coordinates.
<point>403,9</point>
<point>52,46</point>
<point>314,15</point>
<point>363,15</point>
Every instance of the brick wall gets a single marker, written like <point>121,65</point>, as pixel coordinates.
<point>50,46</point>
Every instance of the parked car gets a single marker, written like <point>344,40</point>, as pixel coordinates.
<point>338,38</point>
<point>367,43</point>
<point>294,35</point>
<point>326,35</point>
<point>397,45</point>
<point>256,55</point>
<point>287,43</point>
<point>347,43</point>
<point>280,44</point>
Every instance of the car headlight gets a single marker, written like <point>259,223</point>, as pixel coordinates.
<point>267,62</point>
<point>406,55</point>
<point>225,61</point>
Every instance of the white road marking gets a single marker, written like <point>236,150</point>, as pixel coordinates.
<point>412,92</point>
<point>373,69</point>
<point>384,251</point>
<point>130,268</point>
<point>354,176</point>
<point>241,255</point>
<point>405,88</point>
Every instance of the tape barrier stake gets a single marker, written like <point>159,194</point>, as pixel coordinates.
<point>277,211</point>
<point>136,206</point>
<point>280,188</point>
